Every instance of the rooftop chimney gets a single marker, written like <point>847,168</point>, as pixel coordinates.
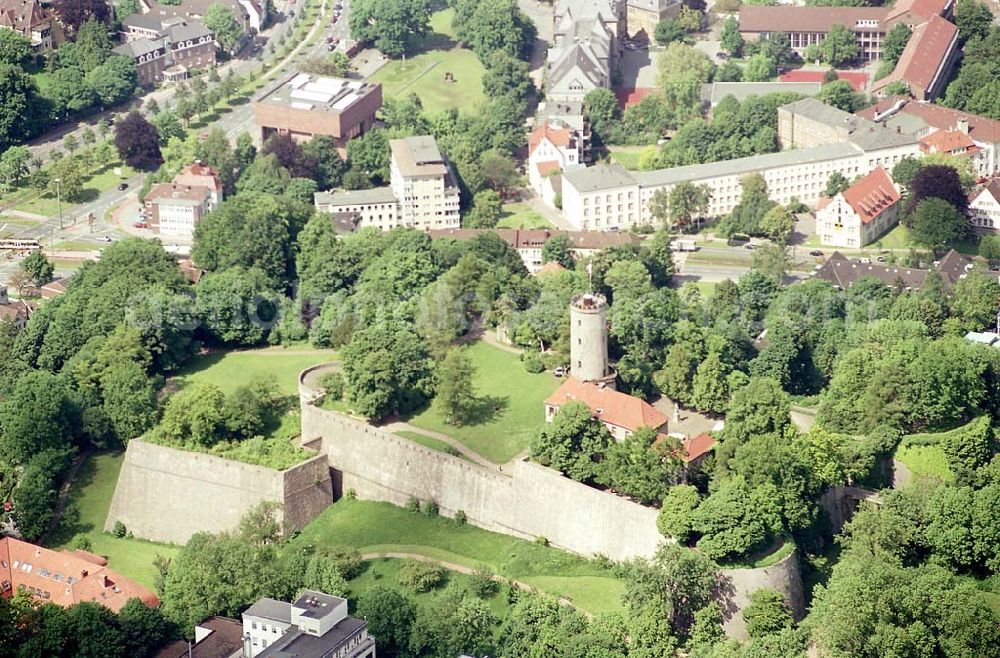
<point>963,125</point>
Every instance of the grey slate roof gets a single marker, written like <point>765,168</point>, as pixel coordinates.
<point>271,609</point>
<point>148,21</point>
<point>354,197</point>
<point>192,30</point>
<point>741,166</point>
<point>578,55</point>
<point>600,177</point>
<point>302,645</point>
<point>138,47</point>
<point>817,110</point>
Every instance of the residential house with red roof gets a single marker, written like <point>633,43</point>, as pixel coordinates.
<point>621,413</point>
<point>984,207</point>
<point>927,60</point>
<point>64,577</point>
<point>861,213</point>
<point>920,120</point>
<point>31,20</point>
<point>14,311</point>
<point>552,147</point>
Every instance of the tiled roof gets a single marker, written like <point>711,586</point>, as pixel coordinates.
<point>922,8</point>
<point>872,195</point>
<point>697,446</point>
<point>559,136</point>
<point>609,405</point>
<point>981,129</point>
<point>992,187</point>
<point>66,578</point>
<point>921,62</point>
<point>947,141</point>
<point>547,167</point>
<point>551,267</point>
<point>843,273</point>
<point>224,640</point>
<point>782,18</point>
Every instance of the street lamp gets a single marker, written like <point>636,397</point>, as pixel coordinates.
<point>59,201</point>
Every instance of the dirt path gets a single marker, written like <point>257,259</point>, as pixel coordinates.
<point>399,426</point>
<point>459,568</point>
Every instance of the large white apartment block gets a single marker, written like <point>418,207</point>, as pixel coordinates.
<point>422,192</point>
<point>609,197</point>
<point>316,625</point>
<point>422,182</point>
<point>176,210</point>
<point>861,213</point>
<point>984,208</point>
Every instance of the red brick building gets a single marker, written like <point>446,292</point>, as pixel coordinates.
<point>304,105</point>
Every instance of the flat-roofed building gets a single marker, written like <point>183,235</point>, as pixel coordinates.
<point>316,625</point>
<point>173,209</point>
<point>423,183</point>
<point>305,105</point>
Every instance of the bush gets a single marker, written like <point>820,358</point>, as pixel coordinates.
<point>460,518</point>
<point>120,530</point>
<point>82,542</point>
<point>421,576</point>
<point>333,384</point>
<point>431,508</point>
<point>484,583</point>
<point>348,561</point>
<point>413,505</point>
<point>532,362</point>
<point>542,540</point>
<point>351,494</point>
<point>989,247</point>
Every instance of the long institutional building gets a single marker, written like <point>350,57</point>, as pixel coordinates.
<point>821,140</point>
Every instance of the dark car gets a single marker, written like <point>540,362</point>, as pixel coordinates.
<point>122,186</point>
<point>815,252</point>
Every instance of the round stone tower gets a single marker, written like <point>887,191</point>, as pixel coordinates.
<point>589,339</point>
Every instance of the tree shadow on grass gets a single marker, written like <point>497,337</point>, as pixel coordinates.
<point>486,409</point>
<point>87,195</point>
<point>433,41</point>
<point>70,523</point>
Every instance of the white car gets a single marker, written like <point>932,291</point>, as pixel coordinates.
<point>105,238</point>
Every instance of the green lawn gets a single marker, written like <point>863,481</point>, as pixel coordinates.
<point>520,215</point>
<point>631,157</point>
<point>91,493</point>
<point>423,71</point>
<point>502,382</point>
<point>925,461</point>
<point>229,370</point>
<point>381,527</point>
<point>430,442</point>
<point>104,180</point>
<point>76,245</point>
<point>899,238</point>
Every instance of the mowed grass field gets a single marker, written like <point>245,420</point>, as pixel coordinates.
<point>230,370</point>
<point>514,398</point>
<point>371,527</point>
<point>422,72</point>
<point>91,494</point>
<point>521,215</point>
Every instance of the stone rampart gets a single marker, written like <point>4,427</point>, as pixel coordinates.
<point>523,499</point>
<point>166,494</point>
<point>736,586</point>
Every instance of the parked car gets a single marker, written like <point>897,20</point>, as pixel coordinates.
<point>104,238</point>
<point>122,186</point>
<point>748,246</point>
<point>815,252</point>
<point>865,261</point>
<point>881,259</point>
<point>559,371</point>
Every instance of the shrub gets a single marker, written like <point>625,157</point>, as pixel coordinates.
<point>542,540</point>
<point>460,518</point>
<point>82,542</point>
<point>333,384</point>
<point>421,576</point>
<point>413,505</point>
<point>451,450</point>
<point>351,494</point>
<point>120,530</point>
<point>532,362</point>
<point>484,583</point>
<point>431,508</point>
<point>348,561</point>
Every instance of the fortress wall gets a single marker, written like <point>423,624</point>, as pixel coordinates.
<point>166,494</point>
<point>524,499</point>
<point>736,586</point>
